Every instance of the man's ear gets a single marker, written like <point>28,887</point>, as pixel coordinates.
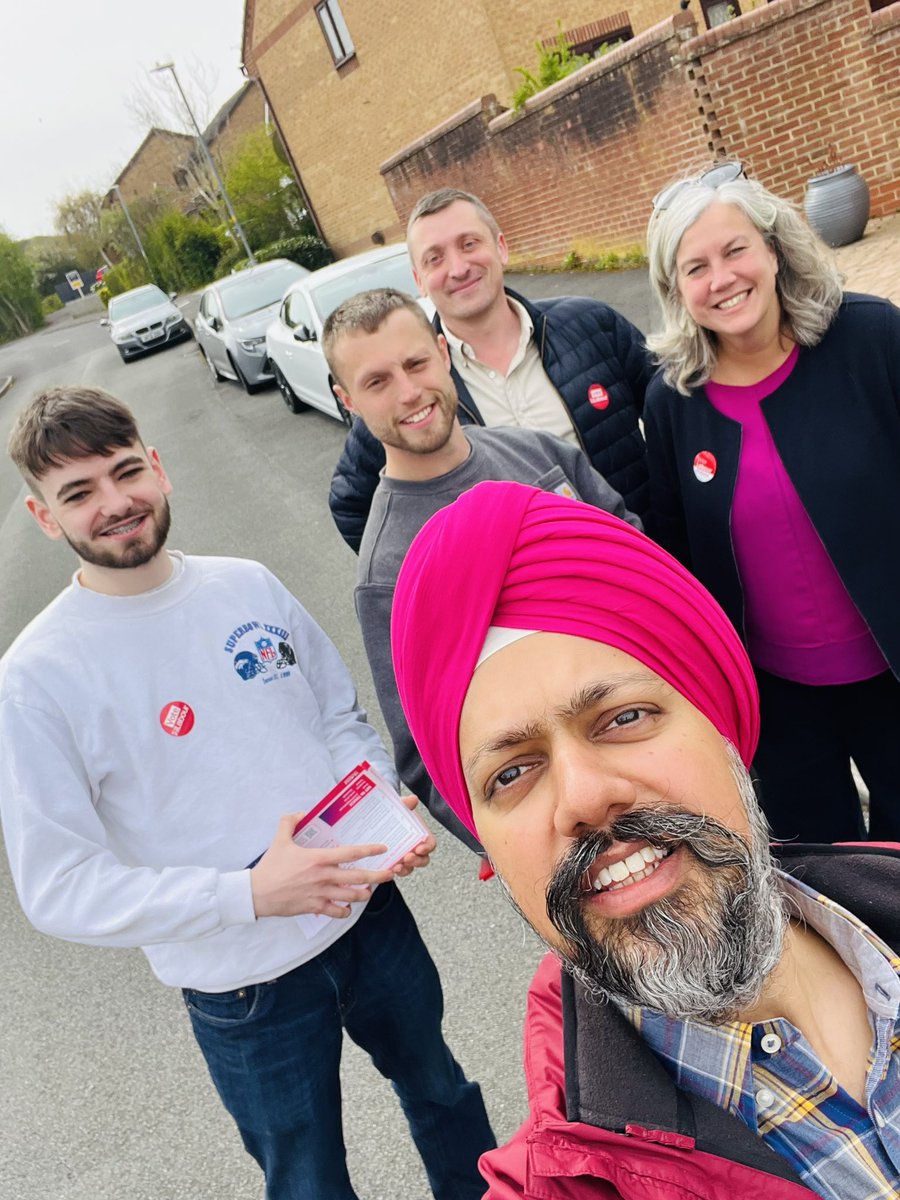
<point>444,349</point>
<point>344,397</point>
<point>46,521</point>
<point>165,485</point>
<point>418,280</point>
<point>503,249</point>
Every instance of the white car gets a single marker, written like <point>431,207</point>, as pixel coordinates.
<point>142,319</point>
<point>293,341</point>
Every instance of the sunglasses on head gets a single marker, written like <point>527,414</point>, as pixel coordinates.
<point>713,177</point>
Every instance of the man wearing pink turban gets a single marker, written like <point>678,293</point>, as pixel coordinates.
<point>721,1027</point>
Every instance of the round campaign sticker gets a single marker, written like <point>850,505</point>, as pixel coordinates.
<point>705,465</point>
<point>598,395</point>
<point>177,718</point>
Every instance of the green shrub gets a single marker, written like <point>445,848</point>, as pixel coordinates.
<point>184,252</point>
<point>303,248</point>
<point>127,274</point>
<point>554,63</point>
<point>51,304</point>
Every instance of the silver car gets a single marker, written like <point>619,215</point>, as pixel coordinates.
<point>230,326</point>
<point>142,319</point>
<point>293,340</point>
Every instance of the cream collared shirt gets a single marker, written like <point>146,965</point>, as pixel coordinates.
<point>524,397</point>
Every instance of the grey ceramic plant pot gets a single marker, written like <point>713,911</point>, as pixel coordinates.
<point>837,205</point>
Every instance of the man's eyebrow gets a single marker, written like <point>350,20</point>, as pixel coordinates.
<point>597,693</point>
<point>75,484</point>
<point>582,701</point>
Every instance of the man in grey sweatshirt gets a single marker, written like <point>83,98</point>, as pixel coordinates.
<point>393,370</point>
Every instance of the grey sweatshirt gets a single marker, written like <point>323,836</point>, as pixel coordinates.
<point>399,510</point>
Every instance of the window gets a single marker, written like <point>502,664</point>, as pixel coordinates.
<point>337,35</point>
<point>598,37</point>
<point>296,311</point>
<point>717,12</point>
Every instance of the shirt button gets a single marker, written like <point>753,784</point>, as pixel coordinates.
<point>771,1043</point>
<point>764,1099</point>
<point>880,1120</point>
<point>492,374</point>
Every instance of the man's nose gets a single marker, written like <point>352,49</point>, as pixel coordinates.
<point>457,263</point>
<point>409,388</point>
<point>114,497</point>
<point>591,792</point>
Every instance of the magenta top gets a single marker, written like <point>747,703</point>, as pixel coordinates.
<point>800,621</point>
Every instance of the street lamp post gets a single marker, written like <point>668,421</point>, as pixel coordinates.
<point>209,159</point>
<point>140,244</point>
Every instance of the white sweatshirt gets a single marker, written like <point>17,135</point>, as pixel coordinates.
<point>150,745</point>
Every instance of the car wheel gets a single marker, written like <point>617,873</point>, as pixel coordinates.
<point>288,395</point>
<point>248,387</point>
<point>213,369</point>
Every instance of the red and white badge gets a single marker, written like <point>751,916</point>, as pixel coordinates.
<point>705,465</point>
<point>177,718</point>
<point>598,395</point>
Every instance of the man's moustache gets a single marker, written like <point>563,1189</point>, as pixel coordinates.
<point>664,826</point>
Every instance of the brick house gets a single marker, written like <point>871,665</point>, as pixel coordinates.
<point>379,103</point>
<point>241,113</point>
<point>158,166</point>
<point>350,82</point>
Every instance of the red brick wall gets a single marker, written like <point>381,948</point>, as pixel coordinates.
<point>778,87</point>
<point>800,85</point>
<point>577,169</point>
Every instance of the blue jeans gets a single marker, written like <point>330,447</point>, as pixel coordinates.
<point>273,1051</point>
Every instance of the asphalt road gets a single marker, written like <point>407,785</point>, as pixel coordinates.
<point>104,1095</point>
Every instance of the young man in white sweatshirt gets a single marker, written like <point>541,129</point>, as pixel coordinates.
<point>131,714</point>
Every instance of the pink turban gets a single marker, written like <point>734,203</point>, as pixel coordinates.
<point>508,555</point>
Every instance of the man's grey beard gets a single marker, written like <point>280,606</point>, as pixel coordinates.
<point>703,952</point>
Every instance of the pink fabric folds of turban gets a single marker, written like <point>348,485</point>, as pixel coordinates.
<point>509,555</point>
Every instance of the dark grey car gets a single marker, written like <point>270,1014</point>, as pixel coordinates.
<point>231,322</point>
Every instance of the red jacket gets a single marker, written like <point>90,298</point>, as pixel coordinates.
<point>606,1120</point>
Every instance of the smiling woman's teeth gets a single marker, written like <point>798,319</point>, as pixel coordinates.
<point>732,301</point>
<point>629,870</point>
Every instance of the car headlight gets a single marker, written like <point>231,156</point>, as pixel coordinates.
<point>252,345</point>
<point>120,337</point>
<point>175,319</point>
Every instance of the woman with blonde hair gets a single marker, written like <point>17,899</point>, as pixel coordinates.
<point>773,434</point>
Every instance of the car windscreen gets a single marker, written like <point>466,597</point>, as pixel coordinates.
<point>390,273</point>
<point>257,291</point>
<point>135,302</point>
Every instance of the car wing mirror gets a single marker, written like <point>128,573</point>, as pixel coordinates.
<point>215,323</point>
<point>104,322</point>
<point>303,333</point>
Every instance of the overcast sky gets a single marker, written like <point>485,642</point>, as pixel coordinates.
<point>68,68</point>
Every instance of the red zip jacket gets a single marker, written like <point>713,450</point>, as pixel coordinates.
<point>606,1120</point>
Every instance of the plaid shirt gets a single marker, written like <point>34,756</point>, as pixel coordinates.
<point>768,1075</point>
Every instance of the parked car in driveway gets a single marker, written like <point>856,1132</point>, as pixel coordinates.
<point>293,340</point>
<point>231,321</point>
<point>142,319</point>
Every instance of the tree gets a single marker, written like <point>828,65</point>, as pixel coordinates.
<point>80,218</point>
<point>155,104</point>
<point>263,192</point>
<point>20,304</point>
